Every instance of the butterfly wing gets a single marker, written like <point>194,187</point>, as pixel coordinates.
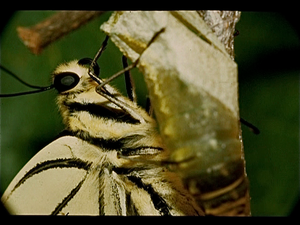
<point>72,177</point>
<point>54,181</point>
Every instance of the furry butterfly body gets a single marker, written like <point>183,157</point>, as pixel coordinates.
<point>108,160</point>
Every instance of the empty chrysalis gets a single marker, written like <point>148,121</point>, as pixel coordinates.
<point>192,83</point>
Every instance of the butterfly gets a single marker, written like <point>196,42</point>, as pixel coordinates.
<point>109,160</point>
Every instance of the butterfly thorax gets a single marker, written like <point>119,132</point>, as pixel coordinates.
<point>95,119</point>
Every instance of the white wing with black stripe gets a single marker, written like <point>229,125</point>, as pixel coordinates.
<point>73,177</point>
<point>51,179</point>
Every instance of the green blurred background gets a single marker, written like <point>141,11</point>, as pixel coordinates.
<point>267,53</point>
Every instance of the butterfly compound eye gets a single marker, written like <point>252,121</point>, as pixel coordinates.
<point>65,81</point>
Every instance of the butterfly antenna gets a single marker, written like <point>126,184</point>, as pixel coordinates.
<point>149,107</point>
<point>40,89</point>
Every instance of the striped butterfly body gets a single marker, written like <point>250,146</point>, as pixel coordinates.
<point>108,161</point>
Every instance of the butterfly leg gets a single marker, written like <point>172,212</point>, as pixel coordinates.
<point>102,83</point>
<point>117,99</point>
<point>122,104</point>
<point>130,87</point>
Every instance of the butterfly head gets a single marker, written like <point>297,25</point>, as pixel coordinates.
<point>78,92</point>
<point>73,77</point>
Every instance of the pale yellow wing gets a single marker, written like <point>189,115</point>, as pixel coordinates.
<point>55,181</point>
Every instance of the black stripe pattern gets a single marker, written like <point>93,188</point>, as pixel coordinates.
<point>105,144</point>
<point>65,201</point>
<point>115,144</point>
<point>102,111</point>
<point>158,201</point>
<point>52,164</point>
